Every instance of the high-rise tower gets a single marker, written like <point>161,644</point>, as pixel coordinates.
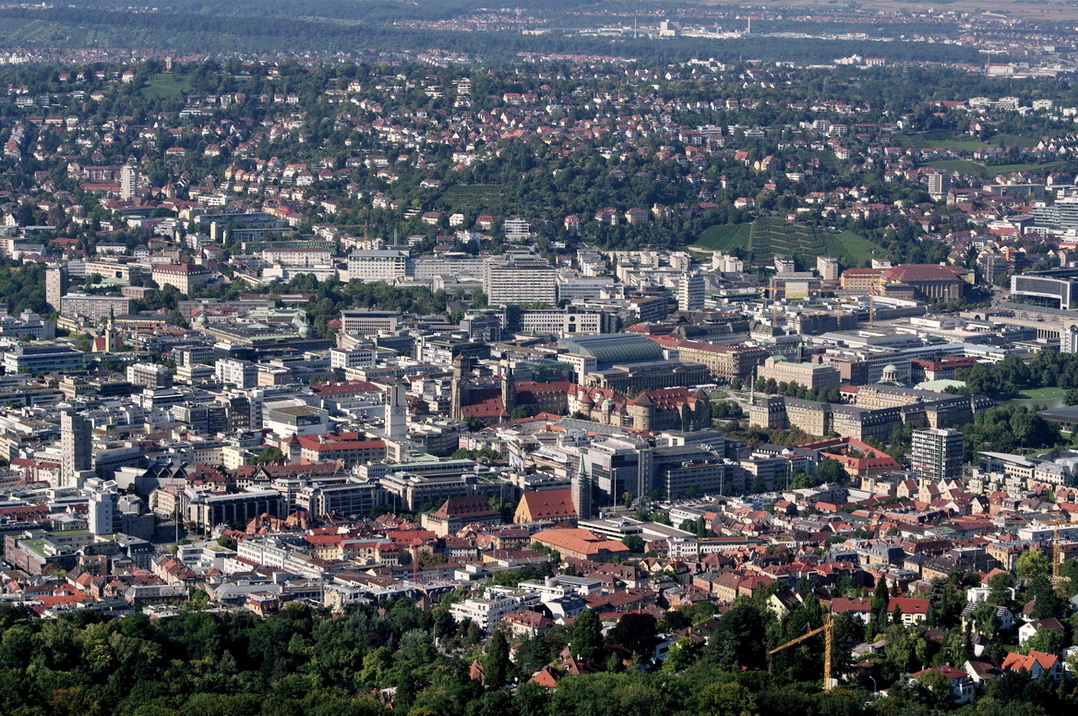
<point>396,412</point>
<point>55,285</point>
<point>76,448</point>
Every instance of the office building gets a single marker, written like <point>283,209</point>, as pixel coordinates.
<point>377,265</point>
<point>94,307</point>
<point>149,375</point>
<point>76,448</point>
<point>519,278</point>
<point>827,267</point>
<point>690,293</point>
<point>236,372</point>
<point>185,277</point>
<point>363,323</point>
<point>936,454</point>
<point>812,376</point>
<point>1056,288</point>
<point>396,412</point>
<point>42,358</point>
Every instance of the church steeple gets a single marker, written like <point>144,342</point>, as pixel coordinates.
<point>459,391</point>
<point>582,490</point>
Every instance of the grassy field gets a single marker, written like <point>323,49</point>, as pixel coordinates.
<point>724,237</point>
<point>472,197</point>
<point>966,166</point>
<point>767,236</point>
<point>963,142</point>
<point>164,86</point>
<point>853,249</point>
<point>1043,393</point>
<point>1036,398</point>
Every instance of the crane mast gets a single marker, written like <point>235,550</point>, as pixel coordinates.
<point>828,631</point>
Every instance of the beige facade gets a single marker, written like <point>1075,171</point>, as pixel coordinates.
<point>808,375</point>
<point>723,362</point>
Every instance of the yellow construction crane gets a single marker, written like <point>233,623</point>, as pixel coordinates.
<point>828,630</point>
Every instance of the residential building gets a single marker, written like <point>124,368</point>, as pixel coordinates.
<point>936,454</point>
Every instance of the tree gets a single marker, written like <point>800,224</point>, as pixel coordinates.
<point>496,664</point>
<point>831,471</point>
<point>739,639</point>
<point>267,457</point>
<point>635,632</point>
<point>635,543</point>
<point>680,656</point>
<point>881,598</point>
<point>1044,640</point>
<point>1000,587</point>
<point>587,638</point>
<point>985,619</point>
<point>729,699</point>
<point>1031,564</point>
<point>935,689</point>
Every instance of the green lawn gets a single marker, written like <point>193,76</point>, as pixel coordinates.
<point>163,86</point>
<point>1040,398</point>
<point>1043,393</point>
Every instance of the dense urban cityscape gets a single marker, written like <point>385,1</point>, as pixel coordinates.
<point>554,359</point>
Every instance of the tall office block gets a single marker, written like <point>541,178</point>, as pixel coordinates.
<point>396,412</point>
<point>936,454</point>
<point>76,448</point>
<point>690,293</point>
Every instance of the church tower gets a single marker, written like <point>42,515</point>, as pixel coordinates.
<point>459,392</point>
<point>582,491</point>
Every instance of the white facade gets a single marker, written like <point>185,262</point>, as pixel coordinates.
<point>377,265</point>
<point>341,358</point>
<point>561,322</point>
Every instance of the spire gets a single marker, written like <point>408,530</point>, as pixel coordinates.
<point>581,490</point>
